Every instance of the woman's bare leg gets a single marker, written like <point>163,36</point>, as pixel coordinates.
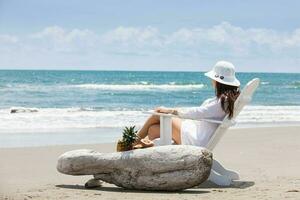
<point>143,132</point>
<point>176,130</point>
<point>154,131</point>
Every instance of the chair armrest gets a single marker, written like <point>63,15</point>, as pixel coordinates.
<point>171,115</point>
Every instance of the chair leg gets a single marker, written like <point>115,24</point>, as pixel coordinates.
<point>165,130</point>
<point>219,179</point>
<point>222,171</point>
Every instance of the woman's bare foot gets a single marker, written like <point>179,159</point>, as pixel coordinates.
<point>143,143</point>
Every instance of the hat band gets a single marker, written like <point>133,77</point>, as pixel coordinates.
<point>224,79</point>
<point>217,76</point>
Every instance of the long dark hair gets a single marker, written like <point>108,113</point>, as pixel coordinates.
<point>228,94</point>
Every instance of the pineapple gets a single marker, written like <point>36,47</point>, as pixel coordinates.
<point>129,136</point>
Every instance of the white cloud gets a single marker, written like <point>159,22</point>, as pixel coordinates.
<point>225,35</point>
<point>59,34</point>
<point>56,38</point>
<point>234,40</point>
<point>5,39</point>
<point>133,36</point>
<point>185,45</point>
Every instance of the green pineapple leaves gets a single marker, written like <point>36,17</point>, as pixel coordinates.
<point>129,135</point>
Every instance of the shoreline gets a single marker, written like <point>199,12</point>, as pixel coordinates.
<point>266,159</point>
<point>82,136</point>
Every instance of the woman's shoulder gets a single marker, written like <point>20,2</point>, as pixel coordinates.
<point>210,100</point>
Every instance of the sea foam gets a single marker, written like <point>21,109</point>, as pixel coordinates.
<point>137,87</point>
<point>60,118</point>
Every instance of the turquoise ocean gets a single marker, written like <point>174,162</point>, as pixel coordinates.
<point>48,103</point>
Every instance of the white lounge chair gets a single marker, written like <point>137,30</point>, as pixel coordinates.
<point>219,175</point>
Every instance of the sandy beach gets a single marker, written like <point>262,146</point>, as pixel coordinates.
<point>88,75</point>
<point>266,158</point>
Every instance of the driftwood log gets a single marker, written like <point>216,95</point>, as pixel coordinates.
<point>173,167</point>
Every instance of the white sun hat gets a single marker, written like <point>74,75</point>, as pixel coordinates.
<point>223,72</point>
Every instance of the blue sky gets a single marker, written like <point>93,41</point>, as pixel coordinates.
<point>150,35</point>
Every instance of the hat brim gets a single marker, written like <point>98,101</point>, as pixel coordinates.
<point>211,74</point>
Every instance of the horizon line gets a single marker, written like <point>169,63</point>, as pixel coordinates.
<point>132,70</point>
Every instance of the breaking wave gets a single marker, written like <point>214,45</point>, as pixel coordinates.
<point>34,119</point>
<point>138,87</point>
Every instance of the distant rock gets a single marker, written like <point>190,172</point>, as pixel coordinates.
<point>173,167</point>
<point>23,110</point>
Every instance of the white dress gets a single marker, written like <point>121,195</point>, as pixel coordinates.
<point>198,133</point>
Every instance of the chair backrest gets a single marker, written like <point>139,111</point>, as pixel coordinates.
<point>243,99</point>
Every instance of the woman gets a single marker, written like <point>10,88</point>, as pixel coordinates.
<point>191,132</point>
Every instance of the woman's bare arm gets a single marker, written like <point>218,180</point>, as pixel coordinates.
<point>166,110</point>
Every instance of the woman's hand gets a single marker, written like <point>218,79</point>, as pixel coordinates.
<point>165,110</point>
